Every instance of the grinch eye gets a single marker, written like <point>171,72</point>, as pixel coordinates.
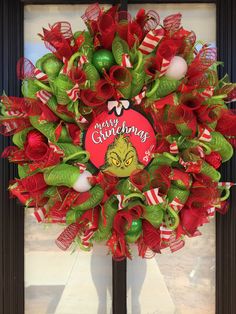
<point>116,162</point>
<point>129,161</point>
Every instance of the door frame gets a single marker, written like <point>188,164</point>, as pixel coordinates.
<point>12,213</point>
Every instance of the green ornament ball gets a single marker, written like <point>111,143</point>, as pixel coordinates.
<point>134,232</point>
<point>103,59</point>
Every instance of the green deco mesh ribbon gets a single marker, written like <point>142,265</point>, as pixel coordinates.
<point>154,214</point>
<point>48,129</point>
<point>181,194</point>
<point>163,87</point>
<point>104,228</point>
<point>52,104</point>
<point>95,197</point>
<point>50,65</point>
<point>62,175</point>
<point>59,86</point>
<point>219,144</point>
<point>119,47</point>
<point>92,74</point>
<point>29,88</point>
<point>138,76</point>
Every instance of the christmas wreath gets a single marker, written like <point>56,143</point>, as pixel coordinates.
<point>121,131</point>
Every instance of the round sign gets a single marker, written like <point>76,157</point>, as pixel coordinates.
<point>120,144</point>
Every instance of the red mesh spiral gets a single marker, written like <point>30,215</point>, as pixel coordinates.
<point>77,75</point>
<point>92,13</point>
<point>161,179</point>
<point>66,238</point>
<point>25,69</point>
<point>151,236</point>
<point>140,178</point>
<point>90,98</point>
<point>107,29</point>
<point>204,59</point>
<point>64,28</point>
<point>172,22</point>
<point>120,76</point>
<point>227,123</point>
<point>104,89</point>
<point>135,34</point>
<point>152,20</point>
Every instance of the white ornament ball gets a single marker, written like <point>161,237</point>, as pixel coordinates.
<point>177,69</point>
<point>82,183</point>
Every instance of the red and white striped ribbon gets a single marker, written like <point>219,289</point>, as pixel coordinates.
<point>174,148</point>
<point>165,232</point>
<point>120,198</point>
<point>40,214</point>
<point>176,244</point>
<point>15,113</point>
<point>82,167</point>
<point>56,149</point>
<point>150,41</point>
<point>211,212</point>
<point>191,166</point>
<point>44,96</point>
<point>138,99</point>
<point>207,92</point>
<point>126,61</point>
<point>204,135</point>
<point>226,184</point>
<point>64,69</point>
<point>176,204</point>
<point>81,119</point>
<point>39,75</point>
<point>82,60</point>
<point>201,151</point>
<point>73,93</point>
<point>164,66</point>
<point>153,197</point>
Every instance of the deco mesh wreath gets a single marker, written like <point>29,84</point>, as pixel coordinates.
<point>121,131</point>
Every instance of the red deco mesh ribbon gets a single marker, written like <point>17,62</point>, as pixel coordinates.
<point>150,239</point>
<point>107,29</point>
<point>161,179</point>
<point>172,22</point>
<point>204,59</point>
<point>16,110</point>
<point>140,179</point>
<point>87,224</point>
<point>58,40</point>
<point>25,69</point>
<point>122,222</point>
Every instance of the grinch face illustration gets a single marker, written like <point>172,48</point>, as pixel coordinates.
<point>121,158</point>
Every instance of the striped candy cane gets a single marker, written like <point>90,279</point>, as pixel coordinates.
<point>211,212</point>
<point>138,99</point>
<point>164,66</point>
<point>39,75</point>
<point>226,184</point>
<point>64,69</point>
<point>73,93</point>
<point>176,244</point>
<point>207,92</point>
<point>120,201</point>
<point>82,167</point>
<point>126,61</point>
<point>165,233</point>
<point>150,41</point>
<point>204,135</point>
<point>81,119</point>
<point>82,60</point>
<point>153,197</point>
<point>40,214</point>
<point>44,96</point>
<point>174,148</point>
<point>176,204</point>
